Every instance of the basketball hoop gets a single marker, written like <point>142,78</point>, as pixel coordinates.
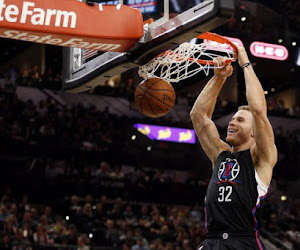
<point>189,59</point>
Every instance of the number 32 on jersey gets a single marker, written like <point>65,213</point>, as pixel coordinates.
<point>224,194</point>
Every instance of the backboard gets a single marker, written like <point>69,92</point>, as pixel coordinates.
<point>168,23</point>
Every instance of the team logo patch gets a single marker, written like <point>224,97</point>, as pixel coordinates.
<point>229,171</point>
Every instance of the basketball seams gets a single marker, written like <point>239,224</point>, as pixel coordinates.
<point>150,107</point>
<point>159,102</point>
<point>146,92</point>
<point>155,81</point>
<point>169,90</point>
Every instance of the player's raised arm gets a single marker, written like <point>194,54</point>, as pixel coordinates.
<point>265,151</point>
<point>203,108</point>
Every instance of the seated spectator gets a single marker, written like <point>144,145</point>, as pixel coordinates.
<point>5,242</point>
<point>166,235</point>
<point>27,220</point>
<point>19,242</point>
<point>72,235</point>
<point>140,245</point>
<point>86,220</point>
<point>59,229</point>
<point>83,242</point>
<point>3,212</point>
<point>129,240</point>
<point>40,236</point>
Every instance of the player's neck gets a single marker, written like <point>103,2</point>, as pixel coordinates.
<point>243,146</point>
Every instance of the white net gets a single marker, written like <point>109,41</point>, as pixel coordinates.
<point>183,62</point>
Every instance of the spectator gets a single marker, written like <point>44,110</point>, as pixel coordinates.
<point>40,236</point>
<point>5,242</point>
<point>140,245</point>
<point>20,242</point>
<point>83,242</point>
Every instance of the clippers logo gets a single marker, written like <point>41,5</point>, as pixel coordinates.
<point>228,171</point>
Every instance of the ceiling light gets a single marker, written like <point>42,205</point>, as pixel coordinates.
<point>294,43</point>
<point>280,40</point>
<point>272,89</point>
<point>283,198</point>
<point>243,19</point>
<point>266,92</point>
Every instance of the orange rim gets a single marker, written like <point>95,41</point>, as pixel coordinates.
<point>212,37</point>
<point>215,37</point>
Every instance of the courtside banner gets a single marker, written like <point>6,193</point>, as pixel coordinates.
<point>71,23</point>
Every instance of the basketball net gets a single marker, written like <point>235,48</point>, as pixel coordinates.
<point>189,59</point>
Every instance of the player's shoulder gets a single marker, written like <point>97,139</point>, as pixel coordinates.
<point>223,149</point>
<point>266,162</point>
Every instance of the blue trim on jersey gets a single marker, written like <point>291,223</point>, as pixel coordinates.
<point>256,222</point>
<point>205,214</point>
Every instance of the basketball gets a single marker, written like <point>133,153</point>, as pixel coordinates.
<point>154,97</point>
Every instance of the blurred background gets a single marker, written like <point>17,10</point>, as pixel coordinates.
<point>77,174</point>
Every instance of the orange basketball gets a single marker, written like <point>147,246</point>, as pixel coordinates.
<point>154,97</point>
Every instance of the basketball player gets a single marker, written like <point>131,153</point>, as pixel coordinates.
<point>242,166</point>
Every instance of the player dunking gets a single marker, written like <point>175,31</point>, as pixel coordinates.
<point>242,167</point>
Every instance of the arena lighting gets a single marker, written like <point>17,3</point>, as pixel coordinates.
<point>171,134</point>
<point>298,59</point>
<point>270,51</point>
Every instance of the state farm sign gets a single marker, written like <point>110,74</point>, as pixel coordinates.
<point>71,23</point>
<point>270,51</point>
<point>28,12</point>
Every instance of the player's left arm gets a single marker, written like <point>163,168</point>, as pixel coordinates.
<point>264,150</point>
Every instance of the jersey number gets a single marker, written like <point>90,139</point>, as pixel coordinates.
<point>224,194</point>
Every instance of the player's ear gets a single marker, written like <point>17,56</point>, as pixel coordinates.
<point>252,133</point>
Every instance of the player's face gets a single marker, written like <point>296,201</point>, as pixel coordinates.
<point>239,129</point>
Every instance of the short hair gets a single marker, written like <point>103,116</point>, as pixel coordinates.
<point>244,107</point>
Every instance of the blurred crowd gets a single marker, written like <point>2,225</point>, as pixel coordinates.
<point>31,77</point>
<point>111,204</point>
<point>87,221</point>
<point>107,222</point>
<point>80,187</point>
